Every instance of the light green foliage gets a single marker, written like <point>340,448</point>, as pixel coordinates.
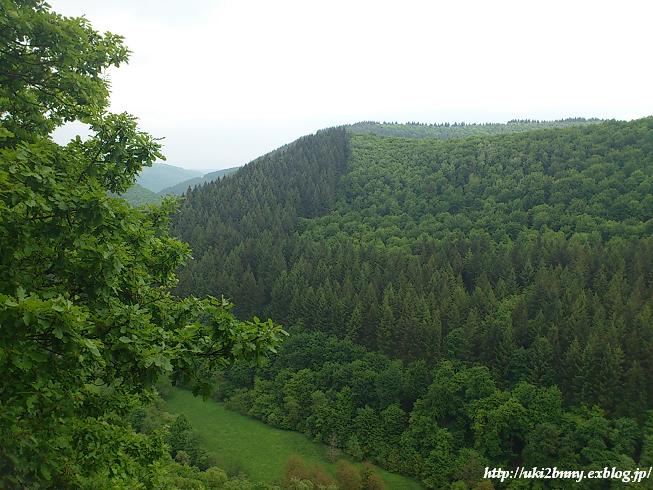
<point>186,470</point>
<point>51,69</point>
<point>177,476</point>
<point>88,321</point>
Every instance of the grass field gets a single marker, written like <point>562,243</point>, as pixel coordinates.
<point>259,450</point>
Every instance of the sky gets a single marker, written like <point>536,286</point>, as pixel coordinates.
<point>226,81</point>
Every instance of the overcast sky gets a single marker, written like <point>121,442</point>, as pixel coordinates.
<point>226,81</point>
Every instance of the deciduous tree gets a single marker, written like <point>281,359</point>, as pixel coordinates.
<point>88,319</point>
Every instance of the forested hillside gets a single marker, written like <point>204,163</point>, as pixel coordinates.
<point>137,195</point>
<point>449,297</point>
<point>520,263</point>
<point>246,222</point>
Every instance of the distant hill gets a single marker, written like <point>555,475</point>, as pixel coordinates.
<point>461,130</point>
<point>161,175</point>
<point>182,187</point>
<point>137,195</point>
<point>140,194</point>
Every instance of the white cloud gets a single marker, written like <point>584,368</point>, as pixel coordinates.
<point>226,81</point>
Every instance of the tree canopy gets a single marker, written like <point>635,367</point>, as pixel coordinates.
<point>88,319</point>
<point>520,261</point>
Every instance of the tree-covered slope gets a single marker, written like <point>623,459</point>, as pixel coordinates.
<point>591,179</point>
<point>441,425</point>
<point>527,254</point>
<point>161,174</point>
<point>246,220</point>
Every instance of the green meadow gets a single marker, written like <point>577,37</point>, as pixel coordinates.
<point>248,445</point>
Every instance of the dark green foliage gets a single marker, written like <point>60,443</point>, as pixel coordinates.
<point>527,254</point>
<point>242,225</point>
<point>437,249</point>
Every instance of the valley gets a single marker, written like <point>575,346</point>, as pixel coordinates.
<point>372,305</point>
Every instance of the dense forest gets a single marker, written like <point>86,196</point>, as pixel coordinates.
<point>137,195</point>
<point>441,425</point>
<point>518,262</point>
<point>443,298</point>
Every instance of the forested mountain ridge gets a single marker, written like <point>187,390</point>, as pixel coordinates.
<point>257,209</point>
<point>527,254</point>
<point>461,129</point>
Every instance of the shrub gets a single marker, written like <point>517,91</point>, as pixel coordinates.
<point>349,478</point>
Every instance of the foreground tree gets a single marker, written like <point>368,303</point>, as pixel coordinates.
<point>87,319</point>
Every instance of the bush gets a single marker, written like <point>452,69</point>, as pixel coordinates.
<point>182,458</point>
<point>371,479</point>
<point>241,402</point>
<point>298,475</point>
<point>354,448</point>
<point>231,465</point>
<point>349,478</point>
<point>164,387</point>
<point>333,452</point>
<point>214,478</point>
<point>296,469</point>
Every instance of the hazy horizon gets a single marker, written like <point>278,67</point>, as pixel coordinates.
<point>210,170</point>
<point>225,82</point>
